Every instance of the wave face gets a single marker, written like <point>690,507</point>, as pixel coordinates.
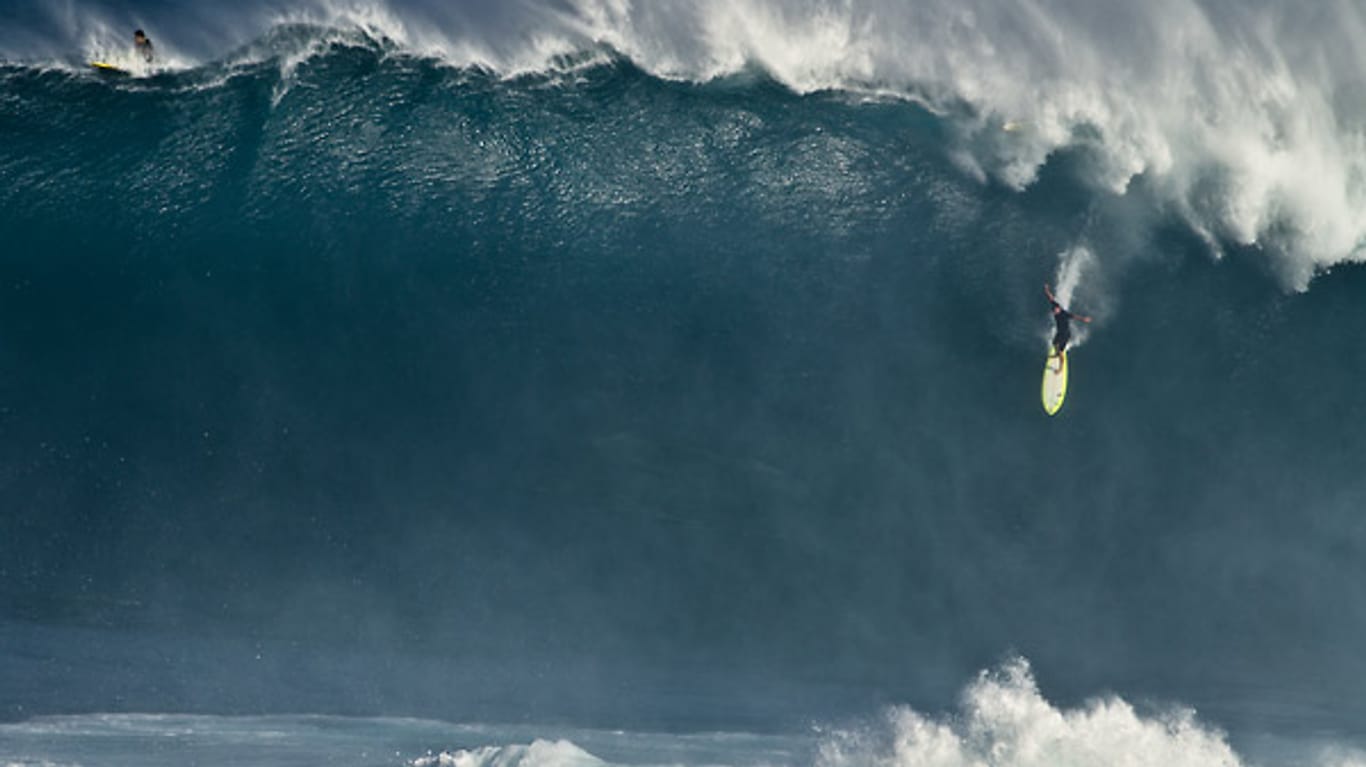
<point>617,381</point>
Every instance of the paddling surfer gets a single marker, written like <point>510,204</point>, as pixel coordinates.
<point>1063,319</point>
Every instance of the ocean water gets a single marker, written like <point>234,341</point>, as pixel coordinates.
<point>577,382</point>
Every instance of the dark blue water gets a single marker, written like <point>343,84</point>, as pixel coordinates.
<point>377,385</point>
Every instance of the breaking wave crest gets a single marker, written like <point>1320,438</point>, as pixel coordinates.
<point>1246,119</point>
<point>1004,721</point>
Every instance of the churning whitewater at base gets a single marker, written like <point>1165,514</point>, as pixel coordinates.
<point>1003,720</point>
<point>581,382</point>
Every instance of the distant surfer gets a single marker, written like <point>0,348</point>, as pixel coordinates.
<point>1063,319</point>
<point>143,45</point>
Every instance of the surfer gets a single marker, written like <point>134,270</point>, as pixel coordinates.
<point>1063,319</point>
<point>143,44</point>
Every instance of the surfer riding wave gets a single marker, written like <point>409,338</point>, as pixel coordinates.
<point>1063,319</point>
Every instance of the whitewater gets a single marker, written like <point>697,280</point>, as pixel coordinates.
<point>579,382</point>
<point>1002,719</point>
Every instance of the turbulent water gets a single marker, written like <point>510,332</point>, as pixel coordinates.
<point>590,374</point>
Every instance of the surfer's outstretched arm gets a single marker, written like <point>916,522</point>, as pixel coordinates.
<point>1081,317</point>
<point>1049,293</point>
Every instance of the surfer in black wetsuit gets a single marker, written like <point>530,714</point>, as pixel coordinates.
<point>1062,318</point>
<point>143,44</point>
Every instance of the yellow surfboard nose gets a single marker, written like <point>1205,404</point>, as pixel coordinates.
<point>1054,382</point>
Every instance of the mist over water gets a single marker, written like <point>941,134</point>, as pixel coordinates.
<point>675,367</point>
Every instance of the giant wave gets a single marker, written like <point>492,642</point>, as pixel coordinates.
<point>677,365</point>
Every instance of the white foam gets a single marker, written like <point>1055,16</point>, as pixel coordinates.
<point>1233,112</point>
<point>1240,115</point>
<point>1072,263</point>
<point>539,753</point>
<point>1006,722</point>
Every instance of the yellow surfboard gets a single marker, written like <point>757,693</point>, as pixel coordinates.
<point>1054,382</point>
<point>104,66</point>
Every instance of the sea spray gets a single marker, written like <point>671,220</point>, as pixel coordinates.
<point>1004,721</point>
<point>1073,264</point>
